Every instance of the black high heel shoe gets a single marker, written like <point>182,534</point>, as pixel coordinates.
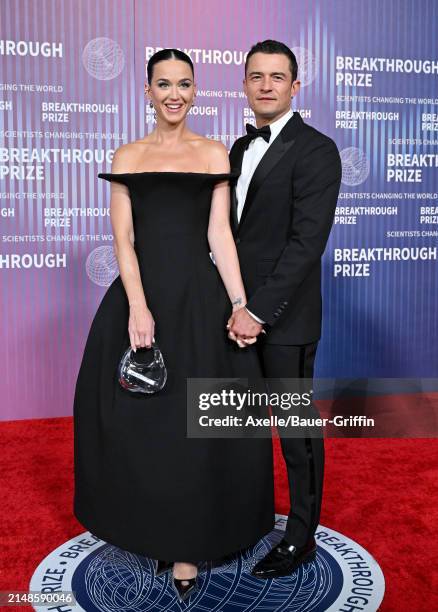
<point>185,587</point>
<point>162,567</point>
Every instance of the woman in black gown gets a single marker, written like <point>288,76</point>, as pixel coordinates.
<point>140,482</point>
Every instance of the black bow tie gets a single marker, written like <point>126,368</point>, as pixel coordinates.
<point>253,132</point>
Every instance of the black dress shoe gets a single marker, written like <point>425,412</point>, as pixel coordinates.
<point>185,587</point>
<point>284,559</point>
<point>162,567</point>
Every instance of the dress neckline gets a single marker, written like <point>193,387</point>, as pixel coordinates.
<point>168,172</point>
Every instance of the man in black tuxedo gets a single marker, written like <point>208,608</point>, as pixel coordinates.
<point>282,212</point>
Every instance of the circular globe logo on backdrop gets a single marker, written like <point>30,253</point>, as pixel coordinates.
<point>103,58</point>
<point>307,66</point>
<point>105,578</point>
<point>355,166</point>
<point>101,266</point>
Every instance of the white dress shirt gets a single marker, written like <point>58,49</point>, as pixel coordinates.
<point>251,159</point>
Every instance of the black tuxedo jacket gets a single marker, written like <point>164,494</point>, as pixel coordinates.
<point>283,231</point>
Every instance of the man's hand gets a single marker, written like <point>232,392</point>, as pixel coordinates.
<point>242,327</point>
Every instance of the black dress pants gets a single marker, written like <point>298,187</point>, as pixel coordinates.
<point>304,457</point>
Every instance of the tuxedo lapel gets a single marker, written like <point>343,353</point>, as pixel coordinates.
<point>236,158</point>
<point>281,145</point>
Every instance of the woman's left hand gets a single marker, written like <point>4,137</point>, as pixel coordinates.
<point>245,337</point>
<point>247,341</point>
<point>241,342</point>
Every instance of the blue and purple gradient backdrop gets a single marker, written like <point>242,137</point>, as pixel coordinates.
<point>384,325</point>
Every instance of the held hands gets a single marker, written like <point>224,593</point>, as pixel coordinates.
<point>243,328</point>
<point>141,326</point>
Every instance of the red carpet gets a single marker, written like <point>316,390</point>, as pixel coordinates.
<point>381,493</point>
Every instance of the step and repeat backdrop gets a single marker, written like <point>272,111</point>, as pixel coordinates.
<point>71,92</point>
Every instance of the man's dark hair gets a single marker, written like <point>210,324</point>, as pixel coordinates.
<point>274,46</point>
<point>167,54</point>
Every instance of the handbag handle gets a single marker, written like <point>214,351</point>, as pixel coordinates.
<point>153,347</point>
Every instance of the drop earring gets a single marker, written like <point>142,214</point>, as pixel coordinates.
<point>154,113</point>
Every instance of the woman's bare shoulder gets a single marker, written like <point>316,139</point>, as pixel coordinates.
<point>217,155</point>
<point>126,156</point>
<point>212,149</point>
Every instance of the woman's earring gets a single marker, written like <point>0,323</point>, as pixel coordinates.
<point>154,112</point>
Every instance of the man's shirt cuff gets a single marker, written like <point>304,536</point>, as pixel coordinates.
<point>254,316</point>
